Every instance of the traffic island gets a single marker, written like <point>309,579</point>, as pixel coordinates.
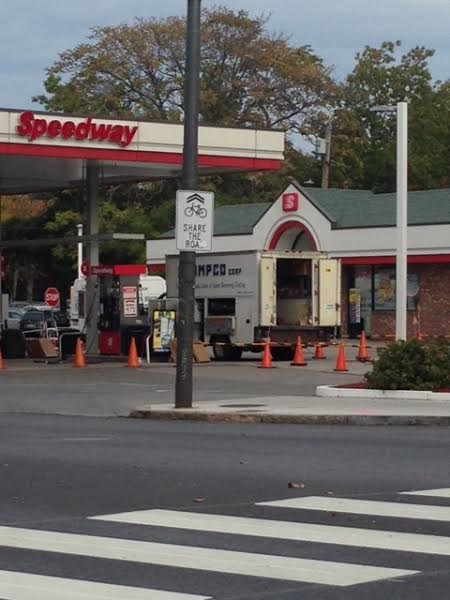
<point>298,410</point>
<point>331,391</point>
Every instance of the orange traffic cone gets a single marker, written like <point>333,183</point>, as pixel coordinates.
<point>363,354</point>
<point>133,360</point>
<point>299,359</point>
<point>266,362</point>
<point>2,366</point>
<point>78,359</point>
<point>318,351</point>
<point>341,363</point>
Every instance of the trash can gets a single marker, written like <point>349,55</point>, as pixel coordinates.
<point>69,342</point>
<point>139,332</point>
<point>12,343</point>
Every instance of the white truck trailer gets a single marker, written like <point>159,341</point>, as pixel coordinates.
<point>243,298</point>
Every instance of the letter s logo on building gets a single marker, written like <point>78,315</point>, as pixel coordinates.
<point>290,202</point>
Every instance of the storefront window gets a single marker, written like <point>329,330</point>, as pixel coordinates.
<point>384,297</point>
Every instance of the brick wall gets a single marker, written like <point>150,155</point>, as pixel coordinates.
<point>433,306</point>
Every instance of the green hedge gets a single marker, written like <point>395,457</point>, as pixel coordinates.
<point>411,365</point>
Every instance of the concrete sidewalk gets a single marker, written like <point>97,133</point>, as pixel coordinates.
<point>307,409</point>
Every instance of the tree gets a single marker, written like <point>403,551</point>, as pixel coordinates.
<point>30,269</point>
<point>364,142</point>
<point>249,76</point>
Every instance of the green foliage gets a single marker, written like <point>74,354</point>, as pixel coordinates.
<point>249,76</point>
<point>412,365</point>
<point>364,142</point>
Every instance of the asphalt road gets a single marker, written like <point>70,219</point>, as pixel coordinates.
<point>115,390</point>
<point>58,471</point>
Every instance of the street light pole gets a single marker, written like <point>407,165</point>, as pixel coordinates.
<point>401,110</point>
<point>402,222</point>
<point>186,269</point>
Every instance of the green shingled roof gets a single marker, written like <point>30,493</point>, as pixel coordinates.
<point>344,208</point>
<point>234,219</point>
<point>362,208</point>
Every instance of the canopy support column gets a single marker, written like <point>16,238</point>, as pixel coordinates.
<point>92,283</point>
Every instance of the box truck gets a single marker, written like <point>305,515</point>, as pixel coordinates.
<point>244,298</point>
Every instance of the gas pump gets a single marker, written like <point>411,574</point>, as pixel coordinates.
<point>124,295</point>
<point>122,314</point>
<point>109,318</point>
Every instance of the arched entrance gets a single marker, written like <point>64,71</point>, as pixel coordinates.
<point>292,235</point>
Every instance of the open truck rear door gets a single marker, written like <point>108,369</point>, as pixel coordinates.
<point>268,295</point>
<point>329,291</point>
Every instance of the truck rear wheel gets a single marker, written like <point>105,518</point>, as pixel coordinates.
<point>223,350</point>
<point>282,353</point>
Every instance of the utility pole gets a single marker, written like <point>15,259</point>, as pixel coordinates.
<point>186,269</point>
<point>326,157</point>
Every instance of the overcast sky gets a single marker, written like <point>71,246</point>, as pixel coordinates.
<point>33,33</point>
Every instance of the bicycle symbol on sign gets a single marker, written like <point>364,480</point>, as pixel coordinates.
<point>196,207</point>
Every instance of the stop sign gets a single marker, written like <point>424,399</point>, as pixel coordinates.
<point>52,297</point>
<point>85,268</point>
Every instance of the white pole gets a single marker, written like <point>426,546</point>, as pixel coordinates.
<point>80,251</point>
<point>402,221</point>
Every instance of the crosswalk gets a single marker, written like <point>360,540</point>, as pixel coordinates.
<point>16,585</point>
<point>25,586</point>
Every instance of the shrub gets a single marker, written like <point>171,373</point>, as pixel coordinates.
<point>411,365</point>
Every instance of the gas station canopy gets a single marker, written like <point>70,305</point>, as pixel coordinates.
<point>43,152</point>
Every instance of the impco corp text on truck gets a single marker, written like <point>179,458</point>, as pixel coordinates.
<point>216,270</point>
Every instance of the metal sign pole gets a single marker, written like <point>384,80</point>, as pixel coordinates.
<point>186,271</point>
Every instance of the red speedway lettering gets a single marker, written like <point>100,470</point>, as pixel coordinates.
<point>34,128</point>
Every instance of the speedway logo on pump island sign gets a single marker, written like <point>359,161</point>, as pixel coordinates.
<point>34,128</point>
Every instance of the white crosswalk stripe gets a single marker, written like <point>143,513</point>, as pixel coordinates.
<point>286,530</point>
<point>437,493</point>
<point>24,586</point>
<point>192,557</point>
<point>398,510</point>
<point>15,585</point>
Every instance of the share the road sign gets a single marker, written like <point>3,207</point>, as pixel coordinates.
<point>194,220</point>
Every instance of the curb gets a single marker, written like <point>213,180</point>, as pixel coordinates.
<point>329,391</point>
<point>212,417</point>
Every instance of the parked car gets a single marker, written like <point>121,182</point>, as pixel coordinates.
<point>14,318</point>
<point>34,320</point>
<point>40,305</point>
<point>15,313</point>
<point>61,318</point>
<point>22,306</point>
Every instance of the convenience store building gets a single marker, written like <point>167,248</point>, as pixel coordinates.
<point>358,227</point>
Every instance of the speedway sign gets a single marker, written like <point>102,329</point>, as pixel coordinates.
<point>194,220</point>
<point>34,128</point>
